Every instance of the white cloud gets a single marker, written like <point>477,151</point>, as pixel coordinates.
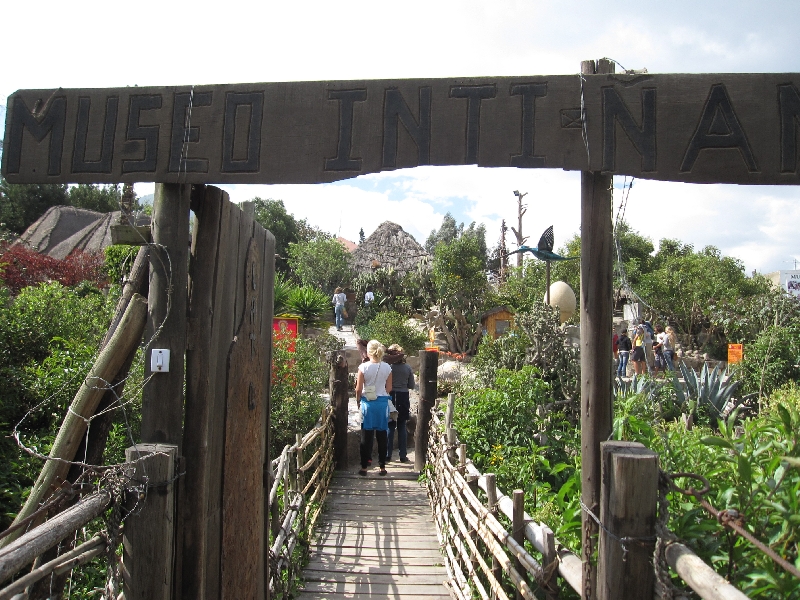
<point>89,43</point>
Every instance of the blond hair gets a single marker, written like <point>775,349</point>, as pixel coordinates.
<point>375,349</point>
<point>671,333</point>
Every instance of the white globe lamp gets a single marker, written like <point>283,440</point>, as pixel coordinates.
<point>562,296</point>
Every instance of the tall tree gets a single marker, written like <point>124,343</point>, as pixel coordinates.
<point>99,198</point>
<point>21,204</point>
<point>448,231</point>
<point>322,263</point>
<point>272,215</point>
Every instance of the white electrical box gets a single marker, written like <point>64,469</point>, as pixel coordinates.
<point>159,361</point>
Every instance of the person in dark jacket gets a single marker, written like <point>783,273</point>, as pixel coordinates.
<point>402,382</point>
<point>624,346</point>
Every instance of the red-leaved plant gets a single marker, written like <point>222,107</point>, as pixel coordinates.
<point>21,267</point>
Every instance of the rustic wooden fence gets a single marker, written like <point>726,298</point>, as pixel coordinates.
<point>300,478</point>
<point>487,559</point>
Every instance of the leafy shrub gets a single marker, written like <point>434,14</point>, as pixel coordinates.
<point>771,361</point>
<point>49,336</point>
<point>389,328</point>
<point>297,378</point>
<point>118,261</point>
<point>21,267</point>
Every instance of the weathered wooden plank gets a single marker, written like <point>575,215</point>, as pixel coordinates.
<point>222,335</point>
<point>198,421</point>
<point>404,567</point>
<point>726,128</point>
<point>376,553</point>
<point>376,544</point>
<point>385,589</point>
<point>359,596</point>
<point>374,578</point>
<point>243,489</point>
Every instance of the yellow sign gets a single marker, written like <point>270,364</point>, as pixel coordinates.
<point>734,353</point>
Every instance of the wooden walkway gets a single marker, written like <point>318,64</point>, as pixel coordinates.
<point>376,539</point>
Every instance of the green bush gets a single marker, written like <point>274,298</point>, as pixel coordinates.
<point>119,260</point>
<point>298,377</point>
<point>771,361</point>
<point>391,328</point>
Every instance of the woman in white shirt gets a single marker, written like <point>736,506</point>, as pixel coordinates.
<point>373,380</point>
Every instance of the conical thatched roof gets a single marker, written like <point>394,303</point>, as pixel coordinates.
<point>388,246</point>
<point>63,229</point>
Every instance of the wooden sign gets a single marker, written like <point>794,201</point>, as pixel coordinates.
<point>696,128</point>
<point>735,353</point>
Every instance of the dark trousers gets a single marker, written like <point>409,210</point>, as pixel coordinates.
<point>401,403</point>
<point>366,446</point>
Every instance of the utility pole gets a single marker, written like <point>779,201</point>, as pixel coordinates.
<point>503,251</point>
<point>521,210</point>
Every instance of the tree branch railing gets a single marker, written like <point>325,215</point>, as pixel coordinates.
<point>298,490</point>
<point>484,559</point>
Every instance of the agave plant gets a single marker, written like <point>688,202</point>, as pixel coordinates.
<point>712,389</point>
<point>637,385</point>
<point>282,291</point>
<point>309,304</point>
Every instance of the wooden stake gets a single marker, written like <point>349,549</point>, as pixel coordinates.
<point>518,529</point>
<point>337,384</point>
<point>491,505</point>
<point>428,365</point>
<point>627,510</point>
<point>162,394</point>
<point>149,528</point>
<point>595,311</point>
<point>451,407</point>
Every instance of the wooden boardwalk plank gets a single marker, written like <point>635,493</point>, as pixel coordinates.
<point>377,539</point>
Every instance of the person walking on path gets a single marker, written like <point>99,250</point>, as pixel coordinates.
<point>372,380</point>
<point>402,382</point>
<point>624,345</point>
<point>339,298</point>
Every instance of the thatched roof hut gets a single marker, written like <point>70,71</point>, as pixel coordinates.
<point>388,246</point>
<point>63,229</point>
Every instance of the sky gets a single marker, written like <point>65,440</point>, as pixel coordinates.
<point>164,42</point>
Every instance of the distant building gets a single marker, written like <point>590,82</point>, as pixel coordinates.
<point>788,280</point>
<point>348,245</point>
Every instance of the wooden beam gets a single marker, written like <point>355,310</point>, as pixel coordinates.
<point>595,311</point>
<point>162,394</point>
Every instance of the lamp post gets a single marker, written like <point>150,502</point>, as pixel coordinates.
<point>521,210</point>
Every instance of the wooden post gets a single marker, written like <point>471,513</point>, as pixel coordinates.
<point>149,526</point>
<point>452,436</point>
<point>491,505</point>
<point>451,406</point>
<point>627,510</point>
<point>428,365</point>
<point>162,394</point>
<point>462,459</point>
<point>518,530</point>
<point>301,479</point>
<point>547,290</point>
<point>337,384</point>
<point>550,562</point>
<point>595,311</point>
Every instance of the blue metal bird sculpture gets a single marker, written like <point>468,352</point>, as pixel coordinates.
<point>544,251</point>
